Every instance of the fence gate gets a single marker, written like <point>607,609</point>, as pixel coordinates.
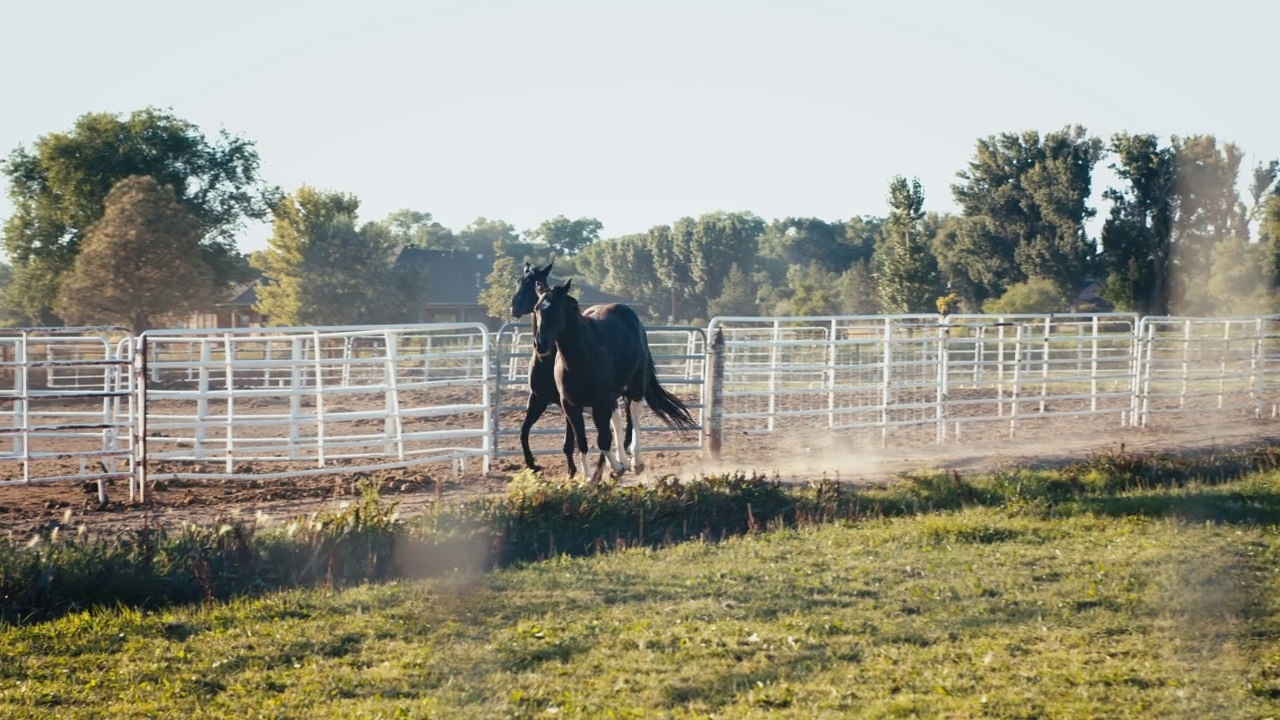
<point>1209,366</point>
<point>679,354</point>
<point>66,406</point>
<point>282,402</point>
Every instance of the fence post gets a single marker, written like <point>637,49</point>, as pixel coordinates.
<point>138,484</point>
<point>715,395</point>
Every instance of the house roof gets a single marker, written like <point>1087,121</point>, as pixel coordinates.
<point>450,277</point>
<point>244,294</point>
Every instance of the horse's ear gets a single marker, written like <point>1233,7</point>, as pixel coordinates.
<point>547,269</point>
<point>528,269</point>
<point>566,284</point>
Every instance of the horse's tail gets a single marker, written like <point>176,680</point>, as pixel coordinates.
<point>665,405</point>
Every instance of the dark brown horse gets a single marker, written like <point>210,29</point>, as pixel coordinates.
<point>600,356</point>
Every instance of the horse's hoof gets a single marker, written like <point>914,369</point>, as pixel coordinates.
<point>637,467</point>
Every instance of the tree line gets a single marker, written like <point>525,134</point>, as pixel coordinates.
<point>131,220</point>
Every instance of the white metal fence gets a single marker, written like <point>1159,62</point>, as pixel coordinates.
<point>66,406</point>
<point>229,403</point>
<point>98,404</point>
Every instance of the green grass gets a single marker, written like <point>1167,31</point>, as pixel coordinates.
<point>1125,587</point>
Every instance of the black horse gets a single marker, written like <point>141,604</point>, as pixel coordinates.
<point>542,380</point>
<point>600,356</point>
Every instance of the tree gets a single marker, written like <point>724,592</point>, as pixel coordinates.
<point>696,254</point>
<point>141,262</point>
<point>738,296</point>
<point>799,241</point>
<point>319,269</point>
<point>631,271</point>
<point>499,284</point>
<point>857,290</point>
<point>1025,204</point>
<point>411,228</point>
<point>565,237</point>
<point>909,281</point>
<point>1137,236</point>
<point>1037,295</point>
<point>814,290</point>
<point>1208,212</point>
<point>59,186</point>
<point>1239,282</point>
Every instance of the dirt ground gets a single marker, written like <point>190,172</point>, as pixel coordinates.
<point>795,457</point>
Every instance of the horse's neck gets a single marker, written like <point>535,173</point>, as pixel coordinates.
<point>577,343</point>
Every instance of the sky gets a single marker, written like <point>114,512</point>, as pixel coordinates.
<point>639,113</point>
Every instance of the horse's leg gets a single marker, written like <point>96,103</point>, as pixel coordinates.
<point>568,447</point>
<point>633,433</point>
<point>537,405</point>
<point>619,459</point>
<point>602,416</point>
<point>579,426</point>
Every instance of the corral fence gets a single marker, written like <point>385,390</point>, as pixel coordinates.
<point>67,406</point>
<point>98,404</point>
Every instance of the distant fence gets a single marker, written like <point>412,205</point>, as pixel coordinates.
<point>98,404</point>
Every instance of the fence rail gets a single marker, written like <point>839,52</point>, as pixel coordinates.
<point>98,404</point>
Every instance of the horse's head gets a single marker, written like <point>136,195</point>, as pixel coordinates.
<point>530,284</point>
<point>551,312</point>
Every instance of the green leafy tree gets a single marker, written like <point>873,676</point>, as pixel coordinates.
<point>411,228</point>
<point>909,280</point>
<point>857,290</point>
<point>565,237</point>
<point>799,241</point>
<point>738,296</point>
<point>1037,295</point>
<point>1239,282</point>
<point>1137,236</point>
<point>140,263</point>
<point>591,264</point>
<point>945,244</point>
<point>499,284</point>
<point>1269,234</point>
<point>1025,204</point>
<point>59,187</point>
<point>1208,212</point>
<point>814,290</point>
<point>319,268</point>
<point>701,252</point>
<point>632,272</point>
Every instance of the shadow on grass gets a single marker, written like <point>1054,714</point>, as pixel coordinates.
<point>540,519</point>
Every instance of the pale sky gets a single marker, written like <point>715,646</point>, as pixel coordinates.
<point>638,113</point>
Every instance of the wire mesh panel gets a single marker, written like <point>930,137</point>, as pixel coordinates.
<point>679,356</point>
<point>292,401</point>
<point>66,405</point>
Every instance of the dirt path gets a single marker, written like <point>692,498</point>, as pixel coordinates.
<point>39,508</point>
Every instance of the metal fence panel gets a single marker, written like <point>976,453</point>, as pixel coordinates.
<point>66,405</point>
<point>1219,366</point>
<point>221,403</point>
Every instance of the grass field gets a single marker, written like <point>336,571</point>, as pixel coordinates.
<point>1142,603</point>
